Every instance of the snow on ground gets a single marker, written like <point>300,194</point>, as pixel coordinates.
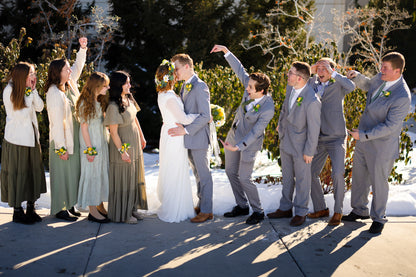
<point>402,198</point>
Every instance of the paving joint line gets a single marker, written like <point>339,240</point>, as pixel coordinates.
<point>92,249</point>
<point>287,248</point>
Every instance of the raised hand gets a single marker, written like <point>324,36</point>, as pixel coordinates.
<point>219,48</point>
<point>352,74</point>
<point>83,41</point>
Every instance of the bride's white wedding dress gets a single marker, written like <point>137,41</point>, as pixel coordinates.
<point>174,185</point>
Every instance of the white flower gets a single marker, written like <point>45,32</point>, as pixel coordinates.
<point>166,78</point>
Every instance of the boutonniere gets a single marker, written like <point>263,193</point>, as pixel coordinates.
<point>90,151</point>
<point>28,91</point>
<point>188,87</point>
<point>332,80</point>
<point>299,100</point>
<point>386,93</point>
<point>256,107</point>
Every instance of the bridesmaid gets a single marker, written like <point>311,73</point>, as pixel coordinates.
<point>22,172</point>
<point>93,183</point>
<point>127,191</point>
<point>64,160</point>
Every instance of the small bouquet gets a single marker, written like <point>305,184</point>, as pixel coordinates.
<point>61,151</point>
<point>124,148</point>
<point>90,151</point>
<point>218,115</point>
<point>28,91</point>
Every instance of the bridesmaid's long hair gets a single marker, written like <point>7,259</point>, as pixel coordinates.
<point>18,79</point>
<point>95,83</point>
<point>117,80</point>
<point>54,73</point>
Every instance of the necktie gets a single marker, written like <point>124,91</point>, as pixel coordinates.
<point>244,105</point>
<point>292,94</point>
<point>378,92</point>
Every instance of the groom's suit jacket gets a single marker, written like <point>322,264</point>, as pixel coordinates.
<point>382,120</point>
<point>299,127</point>
<point>247,131</point>
<point>196,101</point>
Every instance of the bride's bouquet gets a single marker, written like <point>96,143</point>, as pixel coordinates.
<point>218,115</point>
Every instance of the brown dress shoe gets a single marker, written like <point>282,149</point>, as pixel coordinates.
<point>318,214</point>
<point>297,220</point>
<point>201,217</point>
<point>197,210</point>
<point>280,214</point>
<point>335,220</point>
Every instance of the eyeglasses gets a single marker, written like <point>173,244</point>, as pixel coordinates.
<point>293,73</point>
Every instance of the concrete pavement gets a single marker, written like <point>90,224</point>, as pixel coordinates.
<point>222,247</point>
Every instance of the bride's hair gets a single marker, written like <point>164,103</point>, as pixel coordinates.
<point>162,71</point>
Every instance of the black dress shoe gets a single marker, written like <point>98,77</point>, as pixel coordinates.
<point>353,217</point>
<point>376,227</point>
<point>20,217</point>
<point>33,215</point>
<point>66,216</point>
<point>74,212</point>
<point>255,218</point>
<point>237,211</point>
<point>92,218</point>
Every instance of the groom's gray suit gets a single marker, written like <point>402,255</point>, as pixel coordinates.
<point>298,133</point>
<point>247,133</point>
<point>331,141</point>
<point>196,101</point>
<point>379,131</point>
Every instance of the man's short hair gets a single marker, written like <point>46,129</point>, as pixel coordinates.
<point>303,69</point>
<point>262,81</point>
<point>396,59</point>
<point>183,59</point>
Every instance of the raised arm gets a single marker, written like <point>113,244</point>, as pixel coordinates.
<point>80,60</point>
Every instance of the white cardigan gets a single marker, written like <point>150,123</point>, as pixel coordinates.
<point>61,129</point>
<point>19,130</point>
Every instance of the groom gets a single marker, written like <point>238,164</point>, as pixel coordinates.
<point>245,138</point>
<point>195,96</point>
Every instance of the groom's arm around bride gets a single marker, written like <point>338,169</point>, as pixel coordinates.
<point>245,138</point>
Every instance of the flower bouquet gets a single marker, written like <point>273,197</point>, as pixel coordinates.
<point>218,115</point>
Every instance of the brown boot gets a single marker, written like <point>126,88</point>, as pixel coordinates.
<point>201,217</point>
<point>335,220</point>
<point>318,214</point>
<point>280,214</point>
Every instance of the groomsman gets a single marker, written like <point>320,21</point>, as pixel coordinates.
<point>298,129</point>
<point>331,87</point>
<point>245,138</point>
<point>377,136</point>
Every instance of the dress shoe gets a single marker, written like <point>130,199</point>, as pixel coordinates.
<point>353,217</point>
<point>280,214</point>
<point>197,210</point>
<point>318,214</point>
<point>297,220</point>
<point>376,227</point>
<point>137,215</point>
<point>255,218</point>
<point>66,216</point>
<point>103,214</point>
<point>237,211</point>
<point>92,218</point>
<point>201,217</point>
<point>20,217</point>
<point>74,212</point>
<point>335,220</point>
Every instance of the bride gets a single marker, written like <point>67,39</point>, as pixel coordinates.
<point>174,185</point>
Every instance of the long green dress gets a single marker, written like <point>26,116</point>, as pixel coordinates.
<point>127,188</point>
<point>64,175</point>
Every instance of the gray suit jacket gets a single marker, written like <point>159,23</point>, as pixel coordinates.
<point>247,131</point>
<point>196,101</point>
<point>332,110</point>
<point>299,127</point>
<point>382,120</point>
